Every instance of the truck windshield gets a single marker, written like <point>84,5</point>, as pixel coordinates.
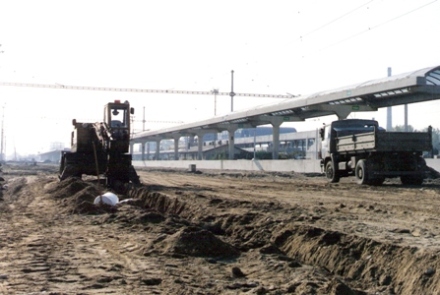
<point>118,118</point>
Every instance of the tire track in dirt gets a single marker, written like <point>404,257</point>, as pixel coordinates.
<point>49,251</point>
<point>29,262</point>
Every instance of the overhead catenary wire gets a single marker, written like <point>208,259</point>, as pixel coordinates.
<point>334,20</point>
<point>369,29</point>
<point>92,120</point>
<point>138,90</point>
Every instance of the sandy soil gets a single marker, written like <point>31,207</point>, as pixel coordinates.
<point>217,233</point>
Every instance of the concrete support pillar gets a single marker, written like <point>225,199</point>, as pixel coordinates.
<point>157,149</point>
<point>231,134</point>
<point>200,135</point>
<point>176,146</point>
<point>276,140</point>
<point>131,148</point>
<point>148,150</point>
<point>143,150</point>
<point>276,123</point>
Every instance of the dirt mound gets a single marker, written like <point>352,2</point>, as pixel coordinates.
<point>66,188</point>
<point>16,185</point>
<point>76,196</point>
<point>82,202</point>
<point>193,241</point>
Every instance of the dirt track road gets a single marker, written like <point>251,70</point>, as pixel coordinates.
<point>218,233</point>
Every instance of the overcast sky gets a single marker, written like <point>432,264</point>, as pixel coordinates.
<point>274,47</point>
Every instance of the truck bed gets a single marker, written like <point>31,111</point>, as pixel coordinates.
<point>384,142</point>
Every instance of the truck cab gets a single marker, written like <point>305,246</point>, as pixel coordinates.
<point>340,128</point>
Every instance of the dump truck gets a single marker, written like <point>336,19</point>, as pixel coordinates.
<point>361,148</point>
<point>102,148</point>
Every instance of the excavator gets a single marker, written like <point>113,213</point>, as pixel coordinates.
<point>102,148</point>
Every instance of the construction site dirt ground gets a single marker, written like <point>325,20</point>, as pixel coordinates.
<point>217,232</point>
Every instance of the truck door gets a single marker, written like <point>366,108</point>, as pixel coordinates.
<point>325,141</point>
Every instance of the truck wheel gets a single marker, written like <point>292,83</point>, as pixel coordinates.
<point>361,172</point>
<point>377,181</point>
<point>330,172</point>
<point>411,180</point>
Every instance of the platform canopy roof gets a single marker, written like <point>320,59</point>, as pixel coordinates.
<point>412,87</point>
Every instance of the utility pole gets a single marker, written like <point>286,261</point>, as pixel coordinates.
<point>143,121</point>
<point>215,92</point>
<point>132,127</point>
<point>232,94</point>
<point>389,111</point>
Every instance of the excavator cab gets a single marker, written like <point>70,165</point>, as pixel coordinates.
<point>117,115</point>
<point>117,118</point>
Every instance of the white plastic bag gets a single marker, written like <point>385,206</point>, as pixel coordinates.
<point>107,198</point>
